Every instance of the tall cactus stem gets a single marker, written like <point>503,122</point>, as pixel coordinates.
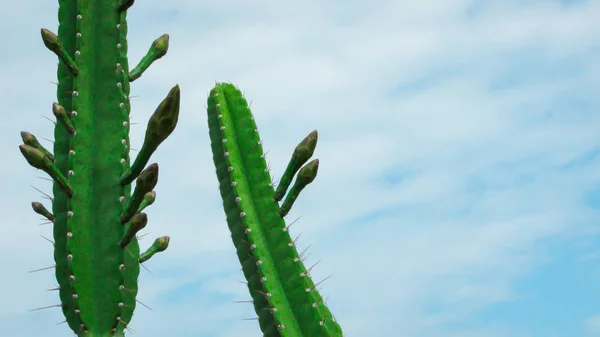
<point>146,181</point>
<point>97,258</point>
<point>40,160</point>
<point>158,246</point>
<point>160,126</point>
<point>157,50</point>
<point>52,42</point>
<point>283,294</point>
<point>301,155</point>
<point>61,116</point>
<point>306,176</point>
<point>41,210</point>
<point>29,139</point>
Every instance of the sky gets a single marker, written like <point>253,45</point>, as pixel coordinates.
<point>458,191</point>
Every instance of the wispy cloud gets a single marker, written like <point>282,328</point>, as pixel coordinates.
<point>458,189</point>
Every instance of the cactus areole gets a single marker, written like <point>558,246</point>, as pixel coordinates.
<point>284,296</point>
<point>94,214</point>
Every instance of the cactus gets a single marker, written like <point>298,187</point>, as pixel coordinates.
<point>284,296</point>
<point>94,214</point>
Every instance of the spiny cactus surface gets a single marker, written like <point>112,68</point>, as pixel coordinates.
<point>94,214</point>
<point>285,298</point>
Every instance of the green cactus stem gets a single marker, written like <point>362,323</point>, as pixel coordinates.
<point>284,295</point>
<point>301,155</point>
<point>159,245</point>
<point>41,210</point>
<point>306,176</point>
<point>97,257</point>
<point>157,50</point>
<point>29,139</point>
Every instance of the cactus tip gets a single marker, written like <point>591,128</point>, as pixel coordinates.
<point>161,44</point>
<point>309,172</point>
<point>50,39</point>
<point>33,156</point>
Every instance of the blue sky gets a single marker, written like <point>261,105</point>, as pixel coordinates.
<point>458,189</point>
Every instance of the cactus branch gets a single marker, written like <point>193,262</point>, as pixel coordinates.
<point>146,181</point>
<point>159,245</point>
<point>157,50</point>
<point>137,223</point>
<point>306,176</point>
<point>52,42</point>
<point>148,200</point>
<point>40,160</point>
<point>301,155</point>
<point>160,126</point>
<point>29,139</point>
<point>61,116</point>
<point>41,210</point>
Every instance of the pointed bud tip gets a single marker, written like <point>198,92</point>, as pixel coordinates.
<point>175,91</point>
<point>27,137</point>
<point>33,156</point>
<point>162,242</point>
<point>161,44</point>
<point>50,39</point>
<point>58,109</point>
<point>308,173</point>
<point>139,220</point>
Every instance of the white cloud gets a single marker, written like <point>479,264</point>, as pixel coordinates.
<point>479,115</point>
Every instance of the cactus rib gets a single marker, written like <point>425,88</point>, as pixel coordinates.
<point>284,295</point>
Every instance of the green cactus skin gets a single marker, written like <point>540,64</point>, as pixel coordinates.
<point>95,218</point>
<point>284,295</point>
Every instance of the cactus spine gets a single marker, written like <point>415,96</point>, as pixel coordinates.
<point>94,215</point>
<point>284,296</point>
